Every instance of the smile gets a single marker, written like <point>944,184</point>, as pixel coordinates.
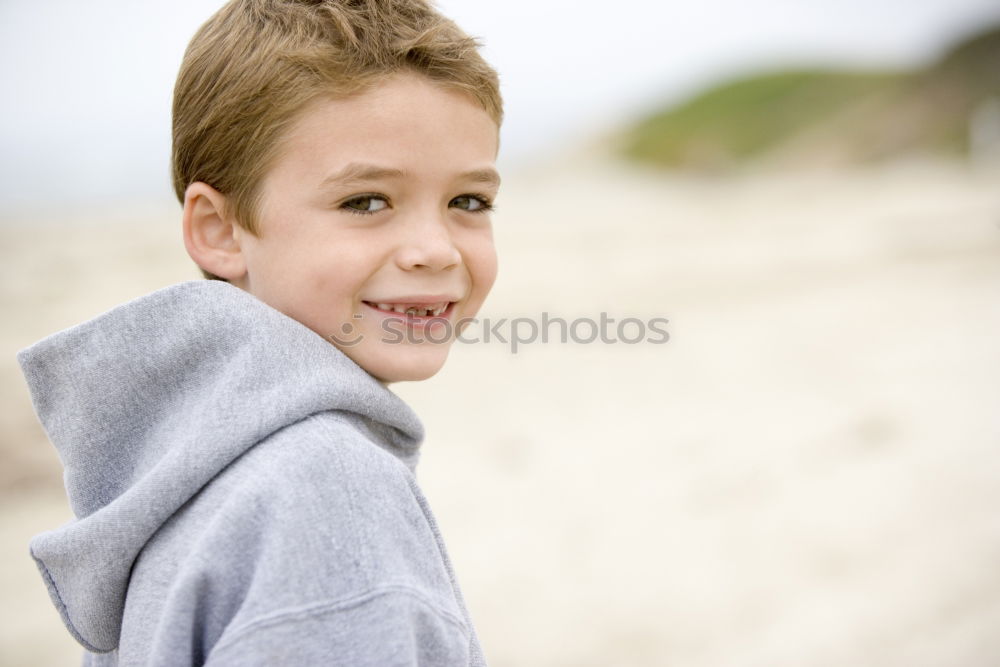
<point>421,310</point>
<point>413,310</point>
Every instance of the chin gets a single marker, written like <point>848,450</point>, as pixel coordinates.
<point>413,368</point>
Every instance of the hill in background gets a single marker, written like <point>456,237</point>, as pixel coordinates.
<point>827,116</point>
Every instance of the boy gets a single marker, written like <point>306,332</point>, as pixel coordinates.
<point>241,476</point>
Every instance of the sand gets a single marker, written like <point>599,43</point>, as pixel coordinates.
<point>805,474</point>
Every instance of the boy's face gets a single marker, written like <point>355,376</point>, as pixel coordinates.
<point>380,198</point>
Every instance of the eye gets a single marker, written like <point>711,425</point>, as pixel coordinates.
<point>472,203</point>
<point>365,204</point>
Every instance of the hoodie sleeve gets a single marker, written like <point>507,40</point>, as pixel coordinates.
<point>395,627</point>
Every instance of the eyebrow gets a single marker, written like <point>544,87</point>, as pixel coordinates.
<point>356,172</point>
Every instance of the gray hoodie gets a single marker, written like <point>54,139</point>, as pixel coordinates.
<point>243,492</point>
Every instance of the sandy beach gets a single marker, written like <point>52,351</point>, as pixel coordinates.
<point>807,474</point>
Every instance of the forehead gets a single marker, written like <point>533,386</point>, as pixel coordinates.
<point>405,122</point>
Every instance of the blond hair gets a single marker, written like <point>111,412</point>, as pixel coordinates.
<point>256,64</point>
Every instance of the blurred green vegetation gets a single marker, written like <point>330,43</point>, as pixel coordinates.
<point>847,116</point>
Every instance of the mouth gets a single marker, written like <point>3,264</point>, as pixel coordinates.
<point>414,311</point>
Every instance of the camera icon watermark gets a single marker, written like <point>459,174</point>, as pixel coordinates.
<point>514,332</point>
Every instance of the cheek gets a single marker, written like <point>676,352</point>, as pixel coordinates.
<point>482,261</point>
<point>331,280</point>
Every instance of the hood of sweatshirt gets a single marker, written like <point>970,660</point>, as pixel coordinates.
<point>147,402</point>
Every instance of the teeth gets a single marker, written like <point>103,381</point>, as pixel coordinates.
<point>433,310</point>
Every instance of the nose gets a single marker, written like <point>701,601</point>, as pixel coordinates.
<point>427,242</point>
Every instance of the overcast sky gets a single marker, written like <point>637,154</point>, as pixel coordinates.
<point>87,85</point>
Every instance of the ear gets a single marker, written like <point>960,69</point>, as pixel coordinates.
<point>210,237</point>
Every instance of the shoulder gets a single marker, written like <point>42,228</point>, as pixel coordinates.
<point>321,472</point>
<point>317,514</point>
<point>321,484</point>
<point>339,533</point>
<point>319,443</point>
<point>316,546</point>
<point>341,485</point>
<point>321,449</point>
